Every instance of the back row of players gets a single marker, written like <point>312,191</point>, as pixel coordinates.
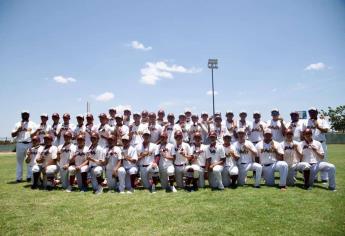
<point>186,151</point>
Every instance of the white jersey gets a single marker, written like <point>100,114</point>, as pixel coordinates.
<point>231,127</point>
<point>297,128</point>
<point>277,130</point>
<point>220,131</point>
<point>245,155</point>
<point>113,156</point>
<point>79,130</point>
<point>152,150</point>
<point>185,131</point>
<point>66,153</point>
<point>205,127</point>
<point>199,154</point>
<point>309,155</point>
<point>111,121</point>
<point>169,149</point>
<point>89,128</point>
<point>33,153</point>
<point>80,155</point>
<point>317,134</point>
<point>215,153</point>
<point>245,125</point>
<point>257,131</point>
<point>96,153</point>
<point>229,161</point>
<point>195,127</point>
<point>266,154</point>
<point>155,130</point>
<point>103,131</point>
<point>136,132</point>
<point>27,129</point>
<point>181,151</point>
<point>43,130</point>
<point>290,155</point>
<point>62,129</point>
<point>171,129</point>
<point>48,154</point>
<point>131,153</point>
<point>161,122</point>
<point>53,133</point>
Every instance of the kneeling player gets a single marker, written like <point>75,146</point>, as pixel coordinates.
<point>31,156</point>
<point>230,171</point>
<point>130,159</point>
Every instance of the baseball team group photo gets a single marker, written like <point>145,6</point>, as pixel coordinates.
<point>172,117</point>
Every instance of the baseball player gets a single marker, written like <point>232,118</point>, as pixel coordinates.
<point>89,128</point>
<point>96,157</point>
<point>166,163</point>
<point>230,171</point>
<point>31,156</point>
<point>170,128</point>
<point>195,126</point>
<point>54,126</point>
<point>205,126</point>
<point>219,129</point>
<point>22,133</point>
<point>199,158</point>
<point>319,128</point>
<point>243,123</point>
<point>120,130</point>
<point>136,130</point>
<point>145,117</point>
<point>79,128</point>
<point>64,154</point>
<point>183,153</point>
<point>271,155</point>
<point>104,130</point>
<point>257,128</point>
<point>127,113</point>
<point>293,156</point>
<point>130,159</point>
<point>43,129</point>
<point>46,163</point>
<point>277,126</point>
<point>154,128</point>
<point>112,114</point>
<point>184,127</point>
<point>188,115</point>
<point>64,127</point>
<point>313,154</point>
<point>160,119</point>
<point>79,165</point>
<point>246,152</point>
<point>148,157</point>
<point>215,160</point>
<point>230,124</point>
<point>296,125</point>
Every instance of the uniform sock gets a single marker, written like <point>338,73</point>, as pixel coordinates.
<point>155,180</point>
<point>100,180</point>
<point>306,175</point>
<point>171,180</point>
<point>71,180</point>
<point>195,183</point>
<point>234,180</point>
<point>84,179</point>
<point>133,177</point>
<point>36,177</point>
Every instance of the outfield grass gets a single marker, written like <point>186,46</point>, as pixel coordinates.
<point>244,211</point>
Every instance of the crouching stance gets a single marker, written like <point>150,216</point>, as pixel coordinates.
<point>46,164</point>
<point>271,158</point>
<point>313,159</point>
<point>114,166</point>
<point>148,156</point>
<point>78,165</point>
<point>166,163</point>
<point>130,159</point>
<point>230,171</point>
<point>32,155</point>
<point>199,159</point>
<point>95,156</point>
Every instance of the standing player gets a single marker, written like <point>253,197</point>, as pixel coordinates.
<point>55,125</point>
<point>136,130</point>
<point>205,124</point>
<point>103,130</point>
<point>246,152</point>
<point>170,128</point>
<point>160,119</point>
<point>219,129</point>
<point>79,128</point>
<point>112,114</point>
<point>120,130</point>
<point>230,171</point>
<point>89,128</point>
<point>148,157</point>
<point>296,125</point>
<point>22,132</point>
<point>154,128</point>
<point>257,129</point>
<point>194,127</point>
<point>64,127</point>
<point>43,129</point>
<point>271,155</point>
<point>127,113</point>
<point>243,123</point>
<point>277,126</point>
<point>184,127</point>
<point>230,124</point>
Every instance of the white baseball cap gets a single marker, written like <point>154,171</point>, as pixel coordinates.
<point>146,131</point>
<point>267,131</point>
<point>125,137</point>
<point>256,113</point>
<point>80,115</point>
<point>25,111</point>
<point>241,130</point>
<point>243,112</point>
<point>312,109</point>
<point>44,115</point>
<point>112,109</point>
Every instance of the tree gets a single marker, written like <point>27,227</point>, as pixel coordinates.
<point>336,117</point>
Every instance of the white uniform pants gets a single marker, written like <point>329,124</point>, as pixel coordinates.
<point>146,173</point>
<point>179,172</point>
<point>324,174</point>
<point>95,172</point>
<point>268,173</point>
<point>325,167</point>
<point>192,171</point>
<point>201,180</point>
<point>112,182</point>
<point>215,177</point>
<point>64,177</point>
<point>243,170</point>
<point>227,172</point>
<point>73,172</point>
<point>21,149</point>
<point>130,171</point>
<point>292,170</point>
<point>164,173</point>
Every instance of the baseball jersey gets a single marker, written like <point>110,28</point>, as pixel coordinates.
<point>62,129</point>
<point>79,130</point>
<point>215,153</point>
<point>129,152</point>
<point>245,155</point>
<point>28,127</point>
<point>290,155</point>
<point>153,151</point>
<point>229,161</point>
<point>66,153</point>
<point>104,131</point>
<point>230,126</point>
<point>136,131</point>
<point>199,154</point>
<point>113,156</point>
<point>182,148</point>
<point>155,130</point>
<point>297,128</point>
<point>48,154</point>
<point>96,153</point>
<point>111,121</point>
<point>43,130</point>
<point>309,155</point>
<point>256,132</point>
<point>171,129</point>
<point>185,131</point>
<point>80,155</point>
<point>266,154</point>
<point>205,126</point>
<point>244,125</point>
<point>168,148</point>
<point>53,133</point>
<point>277,130</point>
<point>33,153</point>
<point>195,127</point>
<point>220,131</point>
<point>89,128</point>
<point>317,134</point>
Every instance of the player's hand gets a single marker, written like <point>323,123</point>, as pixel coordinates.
<point>312,146</point>
<point>65,167</point>
<point>77,168</point>
<point>154,165</point>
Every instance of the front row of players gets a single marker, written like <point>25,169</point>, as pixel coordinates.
<point>186,165</point>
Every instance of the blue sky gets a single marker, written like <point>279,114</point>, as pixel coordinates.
<point>285,54</point>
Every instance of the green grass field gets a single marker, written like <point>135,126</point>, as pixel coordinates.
<point>243,211</point>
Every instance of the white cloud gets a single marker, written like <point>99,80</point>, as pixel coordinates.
<point>152,72</point>
<point>104,97</point>
<point>137,45</point>
<point>210,93</point>
<point>64,80</point>
<point>316,66</point>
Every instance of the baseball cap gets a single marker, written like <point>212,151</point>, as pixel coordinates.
<point>204,113</point>
<point>25,112</point>
<point>55,114</point>
<point>80,116</point>
<point>67,115</point>
<point>195,115</point>
<point>103,115</point>
<point>256,113</point>
<point>241,130</point>
<point>294,113</point>
<point>48,136</point>
<point>125,137</point>
<point>227,134</point>
<point>267,131</point>
<point>212,133</point>
<point>182,115</point>
<point>146,131</point>
<point>118,116</point>
<point>89,115</point>
<point>178,133</point>
<point>127,109</point>
<point>312,109</point>
<point>112,109</point>
<point>44,115</point>
<point>136,113</point>
<point>229,113</point>
<point>68,133</point>
<point>171,115</point>
<point>275,111</point>
<point>243,112</point>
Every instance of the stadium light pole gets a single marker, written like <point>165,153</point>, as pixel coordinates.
<point>213,64</point>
